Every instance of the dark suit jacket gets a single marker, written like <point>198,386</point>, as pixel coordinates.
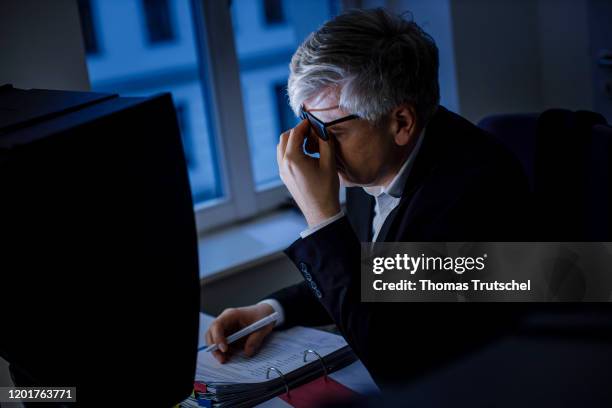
<point>463,186</point>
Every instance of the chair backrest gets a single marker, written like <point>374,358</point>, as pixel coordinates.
<point>518,133</point>
<point>563,174</point>
<point>567,158</point>
<point>599,169</point>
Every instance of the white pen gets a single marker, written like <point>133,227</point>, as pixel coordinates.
<point>244,332</point>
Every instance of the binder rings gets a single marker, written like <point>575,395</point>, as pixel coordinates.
<point>287,360</point>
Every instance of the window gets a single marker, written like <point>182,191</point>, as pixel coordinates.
<point>264,52</point>
<point>229,86</point>
<point>130,66</point>
<point>182,116</point>
<point>89,29</point>
<point>286,117</point>
<point>273,12</point>
<point>158,22</point>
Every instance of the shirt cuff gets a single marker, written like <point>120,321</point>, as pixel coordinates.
<point>278,308</point>
<point>323,224</point>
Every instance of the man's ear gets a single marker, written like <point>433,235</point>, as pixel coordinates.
<point>403,124</point>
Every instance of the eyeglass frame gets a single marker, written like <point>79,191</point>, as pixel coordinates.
<point>322,126</point>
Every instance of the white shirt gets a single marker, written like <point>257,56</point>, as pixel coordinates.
<point>386,199</point>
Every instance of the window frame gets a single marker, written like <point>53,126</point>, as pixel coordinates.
<point>220,79</point>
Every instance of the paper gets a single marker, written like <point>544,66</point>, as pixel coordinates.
<point>283,350</point>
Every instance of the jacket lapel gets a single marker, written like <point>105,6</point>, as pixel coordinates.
<point>425,162</point>
<point>360,211</point>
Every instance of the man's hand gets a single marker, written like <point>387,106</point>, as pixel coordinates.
<point>313,183</point>
<point>232,320</point>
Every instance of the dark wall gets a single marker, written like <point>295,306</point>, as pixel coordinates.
<point>41,45</point>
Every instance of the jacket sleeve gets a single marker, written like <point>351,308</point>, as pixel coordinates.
<point>301,307</point>
<point>395,341</point>
<point>329,261</point>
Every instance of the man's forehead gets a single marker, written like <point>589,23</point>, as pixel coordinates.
<point>324,106</point>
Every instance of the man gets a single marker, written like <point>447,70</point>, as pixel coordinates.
<point>366,87</point>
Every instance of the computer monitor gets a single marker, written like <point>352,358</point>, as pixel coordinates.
<point>99,283</point>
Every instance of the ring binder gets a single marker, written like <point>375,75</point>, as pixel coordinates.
<point>281,376</point>
<point>310,351</point>
<point>248,383</point>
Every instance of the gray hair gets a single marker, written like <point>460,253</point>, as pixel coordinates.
<point>374,60</point>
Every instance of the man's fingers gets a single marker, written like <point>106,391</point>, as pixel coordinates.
<point>218,336</point>
<point>216,354</point>
<point>296,139</point>
<point>221,357</point>
<point>254,341</point>
<point>282,146</point>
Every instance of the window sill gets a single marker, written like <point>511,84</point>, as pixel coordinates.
<point>230,250</point>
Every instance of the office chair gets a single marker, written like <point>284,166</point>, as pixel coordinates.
<point>567,157</point>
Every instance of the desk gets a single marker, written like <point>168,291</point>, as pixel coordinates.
<point>354,376</point>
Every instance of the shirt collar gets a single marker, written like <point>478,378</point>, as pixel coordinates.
<point>396,187</point>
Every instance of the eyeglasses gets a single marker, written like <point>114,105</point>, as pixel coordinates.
<point>319,126</point>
